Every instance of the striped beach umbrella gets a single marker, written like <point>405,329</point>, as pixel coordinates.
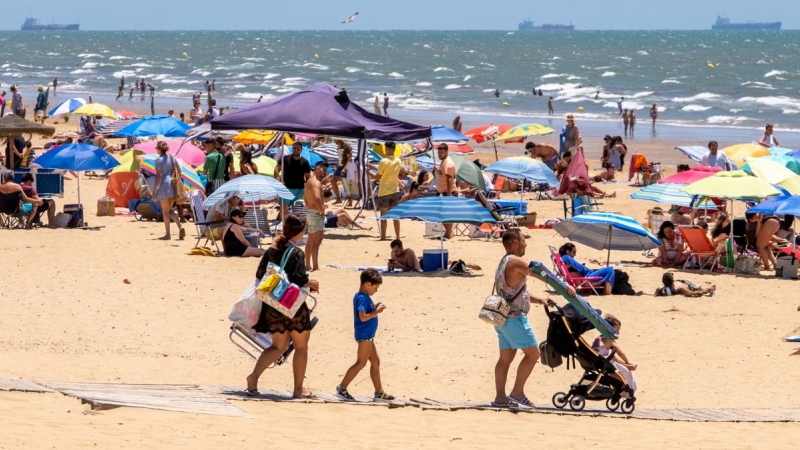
<point>669,194</point>
<point>252,189</point>
<point>189,177</point>
<point>524,130</point>
<point>442,210</point>
<point>772,169</point>
<point>602,231</point>
<point>67,106</point>
<point>523,167</point>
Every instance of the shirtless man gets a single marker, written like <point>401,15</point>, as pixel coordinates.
<point>403,258</point>
<point>547,153</point>
<point>315,215</point>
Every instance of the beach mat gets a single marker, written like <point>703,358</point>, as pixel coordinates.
<point>381,269</point>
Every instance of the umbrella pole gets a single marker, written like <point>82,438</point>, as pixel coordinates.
<point>258,230</point>
<point>608,258</point>
<point>441,246</point>
<point>496,158</point>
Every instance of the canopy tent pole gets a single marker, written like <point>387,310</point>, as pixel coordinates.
<point>361,162</point>
<point>608,258</point>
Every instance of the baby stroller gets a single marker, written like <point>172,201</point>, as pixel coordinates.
<point>600,380</point>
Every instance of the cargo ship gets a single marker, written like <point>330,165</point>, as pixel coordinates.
<point>31,24</point>
<point>723,23</point>
<point>527,25</point>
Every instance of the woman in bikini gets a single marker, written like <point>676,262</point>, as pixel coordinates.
<point>672,252</point>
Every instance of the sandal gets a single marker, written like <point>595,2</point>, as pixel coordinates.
<point>500,405</point>
<point>342,392</point>
<point>383,396</point>
<point>252,392</point>
<point>524,401</point>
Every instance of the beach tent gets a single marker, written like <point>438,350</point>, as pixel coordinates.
<point>322,109</point>
<point>121,184</point>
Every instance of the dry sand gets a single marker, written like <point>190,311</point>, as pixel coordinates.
<point>67,315</point>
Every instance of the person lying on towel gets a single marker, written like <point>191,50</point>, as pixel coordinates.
<point>568,252</point>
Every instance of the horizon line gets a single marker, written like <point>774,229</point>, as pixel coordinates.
<point>409,29</point>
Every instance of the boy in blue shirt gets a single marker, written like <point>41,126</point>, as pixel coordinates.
<point>366,324</point>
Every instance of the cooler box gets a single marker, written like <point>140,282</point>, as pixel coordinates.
<point>432,260</point>
<point>520,208</point>
<point>253,238</point>
<point>786,267</point>
<point>76,213</point>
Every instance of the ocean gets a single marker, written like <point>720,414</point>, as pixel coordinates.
<point>436,74</point>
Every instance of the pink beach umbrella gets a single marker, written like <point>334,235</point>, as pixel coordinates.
<point>190,154</point>
<point>690,176</point>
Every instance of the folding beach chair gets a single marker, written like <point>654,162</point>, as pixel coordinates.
<point>579,283</point>
<point>502,223</point>
<point>204,228</point>
<point>11,214</point>
<point>701,249</point>
<point>645,172</point>
<point>253,343</point>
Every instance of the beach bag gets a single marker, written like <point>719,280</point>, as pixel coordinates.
<point>177,184</point>
<point>276,291</point>
<point>622,285</point>
<point>549,356</point>
<point>747,264</point>
<point>495,308</point>
<point>247,310</point>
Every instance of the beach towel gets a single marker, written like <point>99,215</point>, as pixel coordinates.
<point>381,269</point>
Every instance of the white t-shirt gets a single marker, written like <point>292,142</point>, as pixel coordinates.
<point>719,160</point>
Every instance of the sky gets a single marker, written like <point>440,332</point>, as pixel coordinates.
<point>396,15</point>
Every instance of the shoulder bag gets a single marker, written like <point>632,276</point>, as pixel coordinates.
<point>495,308</point>
<point>177,183</point>
<point>276,291</point>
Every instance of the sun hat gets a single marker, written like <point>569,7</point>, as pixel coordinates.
<point>570,117</point>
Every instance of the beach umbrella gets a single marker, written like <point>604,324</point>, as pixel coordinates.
<point>463,149</point>
<point>255,188</point>
<point>523,167</point>
<point>260,137</point>
<point>186,151</point>
<point>771,171</point>
<point>466,170</point>
<point>794,155</point>
<point>95,110</point>
<point>441,133</point>
<point>694,152</point>
<point>779,151</point>
<point>77,158</point>
<point>158,125</point>
<point>733,185</point>
<point>668,194</point>
<point>605,231</point>
<point>781,205</point>
<point>487,132</point>
<point>67,106</point>
<point>309,156</point>
<point>737,153</point>
<point>127,114</point>
<point>188,175</point>
<point>690,176</point>
<point>128,162</point>
<point>524,130</point>
<point>264,164</point>
<point>441,210</point>
<point>791,185</point>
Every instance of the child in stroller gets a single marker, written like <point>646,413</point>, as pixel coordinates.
<point>600,380</point>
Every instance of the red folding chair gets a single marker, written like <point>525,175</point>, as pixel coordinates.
<point>579,283</point>
<point>701,249</point>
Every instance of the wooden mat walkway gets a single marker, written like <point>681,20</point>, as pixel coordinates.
<point>214,400</point>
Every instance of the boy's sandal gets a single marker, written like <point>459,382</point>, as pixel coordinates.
<point>342,392</point>
<point>383,396</point>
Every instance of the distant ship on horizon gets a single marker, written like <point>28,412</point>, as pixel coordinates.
<point>723,23</point>
<point>527,25</point>
<point>32,24</point>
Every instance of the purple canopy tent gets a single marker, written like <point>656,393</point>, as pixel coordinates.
<point>323,109</point>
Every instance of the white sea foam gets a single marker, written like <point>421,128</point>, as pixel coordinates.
<point>424,84</point>
<point>625,58</point>
<point>640,94</point>
<point>334,49</point>
<point>575,77</point>
<point>140,65</point>
<point>467,78</point>
<point>773,73</point>
<point>556,58</point>
<point>352,69</point>
<point>239,86</point>
<point>175,92</point>
<point>89,55</point>
<point>758,85</point>
<point>453,86</point>
<point>89,65</point>
<point>642,52</point>
<point>669,81</point>
<point>707,96</point>
<point>80,71</point>
<point>608,74</point>
<point>553,75</point>
<point>727,119</point>
<point>396,75</point>
<point>791,111</point>
<point>443,69</point>
<point>316,66</point>
<point>777,101</point>
<point>120,57</point>
<point>695,108</point>
<point>514,92</point>
<point>270,76</point>
<point>488,90</point>
<point>487,64</point>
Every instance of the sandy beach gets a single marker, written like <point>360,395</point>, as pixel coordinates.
<point>69,315</point>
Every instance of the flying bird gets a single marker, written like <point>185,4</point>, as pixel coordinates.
<point>351,18</point>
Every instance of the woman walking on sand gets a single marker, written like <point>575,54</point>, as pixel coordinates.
<point>164,194</point>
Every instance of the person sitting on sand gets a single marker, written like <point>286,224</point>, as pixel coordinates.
<point>413,192</point>
<point>233,241</point>
<point>719,234</point>
<point>672,252</point>
<point>568,252</point>
<point>607,175</point>
<point>620,361</point>
<point>679,218</point>
<point>682,287</point>
<point>406,260</point>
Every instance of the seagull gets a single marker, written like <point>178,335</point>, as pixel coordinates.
<point>351,18</point>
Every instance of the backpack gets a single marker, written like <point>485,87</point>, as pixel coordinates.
<point>622,285</point>
<point>458,267</point>
<point>549,356</point>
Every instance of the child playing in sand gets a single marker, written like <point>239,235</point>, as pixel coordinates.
<point>366,324</point>
<point>603,346</point>
<point>682,287</point>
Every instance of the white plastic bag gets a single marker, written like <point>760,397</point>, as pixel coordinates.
<point>247,310</point>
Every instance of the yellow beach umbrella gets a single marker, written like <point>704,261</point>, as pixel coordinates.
<point>769,171</point>
<point>258,137</point>
<point>95,110</point>
<point>731,185</point>
<point>791,184</point>
<point>264,164</point>
<point>737,153</point>
<point>128,162</point>
<point>524,130</point>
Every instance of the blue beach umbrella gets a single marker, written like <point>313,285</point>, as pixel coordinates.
<point>523,167</point>
<point>669,194</point>
<point>158,125</point>
<point>784,160</point>
<point>780,151</point>
<point>782,205</point>
<point>67,106</point>
<point>251,188</point>
<point>441,210</point>
<point>603,231</point>
<point>441,133</point>
<point>78,158</point>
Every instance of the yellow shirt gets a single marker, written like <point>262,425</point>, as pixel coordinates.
<point>389,171</point>
<point>447,167</point>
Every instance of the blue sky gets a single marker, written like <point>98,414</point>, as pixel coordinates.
<point>403,14</point>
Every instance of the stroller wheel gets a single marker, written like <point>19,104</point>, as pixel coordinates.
<point>612,404</point>
<point>628,406</point>
<point>577,403</point>
<point>560,400</point>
